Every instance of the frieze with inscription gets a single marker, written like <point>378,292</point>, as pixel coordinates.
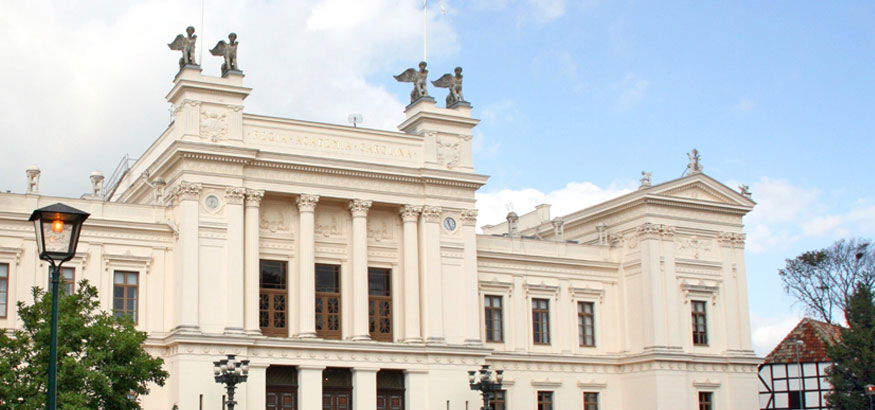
<point>332,144</point>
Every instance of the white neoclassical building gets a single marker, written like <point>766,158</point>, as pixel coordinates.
<point>344,264</point>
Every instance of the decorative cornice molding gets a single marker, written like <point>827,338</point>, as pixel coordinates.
<point>359,208</point>
<point>307,203</point>
<point>11,253</point>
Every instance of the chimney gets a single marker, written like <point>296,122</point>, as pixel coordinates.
<point>33,173</point>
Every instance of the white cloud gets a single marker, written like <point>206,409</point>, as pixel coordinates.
<point>537,11</point>
<point>546,10</point>
<point>631,90</point>
<point>492,206</point>
<point>503,111</point>
<point>767,332</point>
<point>89,77</point>
<point>860,218</point>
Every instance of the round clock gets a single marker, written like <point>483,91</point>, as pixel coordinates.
<point>449,224</point>
<point>211,202</point>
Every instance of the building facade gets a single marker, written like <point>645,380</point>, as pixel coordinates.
<point>344,264</point>
<point>794,374</point>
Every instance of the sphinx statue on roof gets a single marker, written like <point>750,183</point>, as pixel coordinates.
<point>229,52</point>
<point>185,43</point>
<point>419,80</point>
<point>454,84</point>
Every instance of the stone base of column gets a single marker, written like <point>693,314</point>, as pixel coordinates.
<point>412,340</point>
<point>473,342</point>
<point>234,331</point>
<point>186,329</point>
<point>307,335</point>
<point>436,340</point>
<point>253,332</point>
<point>361,338</point>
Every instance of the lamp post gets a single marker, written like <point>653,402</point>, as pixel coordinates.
<point>869,389</point>
<point>799,344</point>
<point>486,384</point>
<point>57,234</point>
<point>230,372</point>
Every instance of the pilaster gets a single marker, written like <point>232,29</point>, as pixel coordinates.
<point>364,388</point>
<point>306,268</point>
<point>235,267</point>
<point>431,273</point>
<point>310,386</point>
<point>252,269</point>
<point>468,218</point>
<point>409,218</point>
<point>359,210</point>
<point>187,196</point>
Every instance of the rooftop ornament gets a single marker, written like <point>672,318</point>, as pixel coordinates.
<point>454,84</point>
<point>185,43</point>
<point>229,52</point>
<point>419,80</point>
<point>694,167</point>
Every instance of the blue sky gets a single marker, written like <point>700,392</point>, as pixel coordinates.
<point>576,97</point>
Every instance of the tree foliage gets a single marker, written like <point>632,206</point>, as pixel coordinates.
<point>854,355</point>
<point>101,360</point>
<point>823,280</point>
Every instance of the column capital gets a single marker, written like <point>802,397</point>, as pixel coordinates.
<point>186,191</point>
<point>468,217</point>
<point>410,213</point>
<point>359,207</point>
<point>235,195</point>
<point>307,203</point>
<point>432,213</point>
<point>254,197</point>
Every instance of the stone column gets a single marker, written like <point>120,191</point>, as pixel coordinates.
<point>416,389</point>
<point>307,270</point>
<point>251,393</point>
<point>471,284</point>
<point>364,388</point>
<point>235,266</point>
<point>359,209</point>
<point>409,217</point>
<point>187,284</point>
<point>432,283</point>
<point>252,268</point>
<point>310,387</point>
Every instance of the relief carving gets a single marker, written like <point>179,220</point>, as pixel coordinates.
<point>273,219</point>
<point>327,226</point>
<point>214,125</point>
<point>379,230</point>
<point>694,247</point>
<point>448,153</point>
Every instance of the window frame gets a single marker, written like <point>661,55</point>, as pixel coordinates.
<point>489,320</point>
<point>545,399</point>
<point>324,298</point>
<point>5,291</point>
<point>125,299</point>
<point>706,400</point>
<point>71,282</point>
<point>373,307</point>
<point>540,322</point>
<point>590,404</point>
<point>496,400</point>
<point>700,336</point>
<point>271,294</point>
<point>582,315</point>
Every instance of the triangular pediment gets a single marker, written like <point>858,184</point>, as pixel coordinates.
<point>700,187</point>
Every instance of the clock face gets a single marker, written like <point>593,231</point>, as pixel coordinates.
<point>449,224</point>
<point>212,202</point>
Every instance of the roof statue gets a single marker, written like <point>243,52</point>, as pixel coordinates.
<point>419,80</point>
<point>229,52</point>
<point>645,179</point>
<point>454,83</point>
<point>745,190</point>
<point>694,167</point>
<point>185,43</point>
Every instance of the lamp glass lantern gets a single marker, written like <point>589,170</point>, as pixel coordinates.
<point>57,231</point>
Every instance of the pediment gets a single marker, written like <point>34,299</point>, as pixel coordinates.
<point>701,188</point>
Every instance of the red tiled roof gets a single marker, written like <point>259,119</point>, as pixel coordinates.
<point>815,335</point>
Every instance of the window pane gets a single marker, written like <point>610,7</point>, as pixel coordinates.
<point>119,278</point>
<point>327,278</point>
<point>4,270</point>
<point>273,274</point>
<point>132,278</point>
<point>379,281</point>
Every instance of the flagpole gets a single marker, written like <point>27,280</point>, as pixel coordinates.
<point>201,56</point>
<point>425,30</point>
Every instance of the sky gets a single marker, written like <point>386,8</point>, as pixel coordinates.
<point>576,98</point>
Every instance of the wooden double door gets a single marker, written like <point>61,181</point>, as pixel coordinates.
<point>336,399</point>
<point>390,400</point>
<point>282,398</point>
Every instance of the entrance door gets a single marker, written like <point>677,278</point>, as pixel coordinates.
<point>390,400</point>
<point>340,399</point>
<point>282,398</point>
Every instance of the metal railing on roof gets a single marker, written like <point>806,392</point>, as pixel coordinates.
<point>120,171</point>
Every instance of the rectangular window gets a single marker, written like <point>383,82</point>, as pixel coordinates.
<point>545,400</point>
<point>380,304</point>
<point>796,399</point>
<point>272,298</point>
<point>125,294</point>
<point>499,401</point>
<point>68,279</point>
<point>328,301</point>
<point>706,401</point>
<point>541,321</point>
<point>700,325</point>
<point>494,329</point>
<point>586,323</point>
<point>590,401</point>
<point>4,288</point>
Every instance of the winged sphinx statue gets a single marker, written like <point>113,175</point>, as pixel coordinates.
<point>229,52</point>
<point>419,80</point>
<point>454,83</point>
<point>185,43</point>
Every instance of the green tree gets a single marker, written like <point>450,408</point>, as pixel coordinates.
<point>101,360</point>
<point>854,355</point>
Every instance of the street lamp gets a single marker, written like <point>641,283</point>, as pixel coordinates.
<point>57,234</point>
<point>486,384</point>
<point>869,389</point>
<point>230,372</point>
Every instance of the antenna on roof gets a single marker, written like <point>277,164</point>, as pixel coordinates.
<point>354,119</point>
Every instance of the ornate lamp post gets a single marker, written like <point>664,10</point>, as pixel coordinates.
<point>869,390</point>
<point>57,234</point>
<point>486,384</point>
<point>230,372</point>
